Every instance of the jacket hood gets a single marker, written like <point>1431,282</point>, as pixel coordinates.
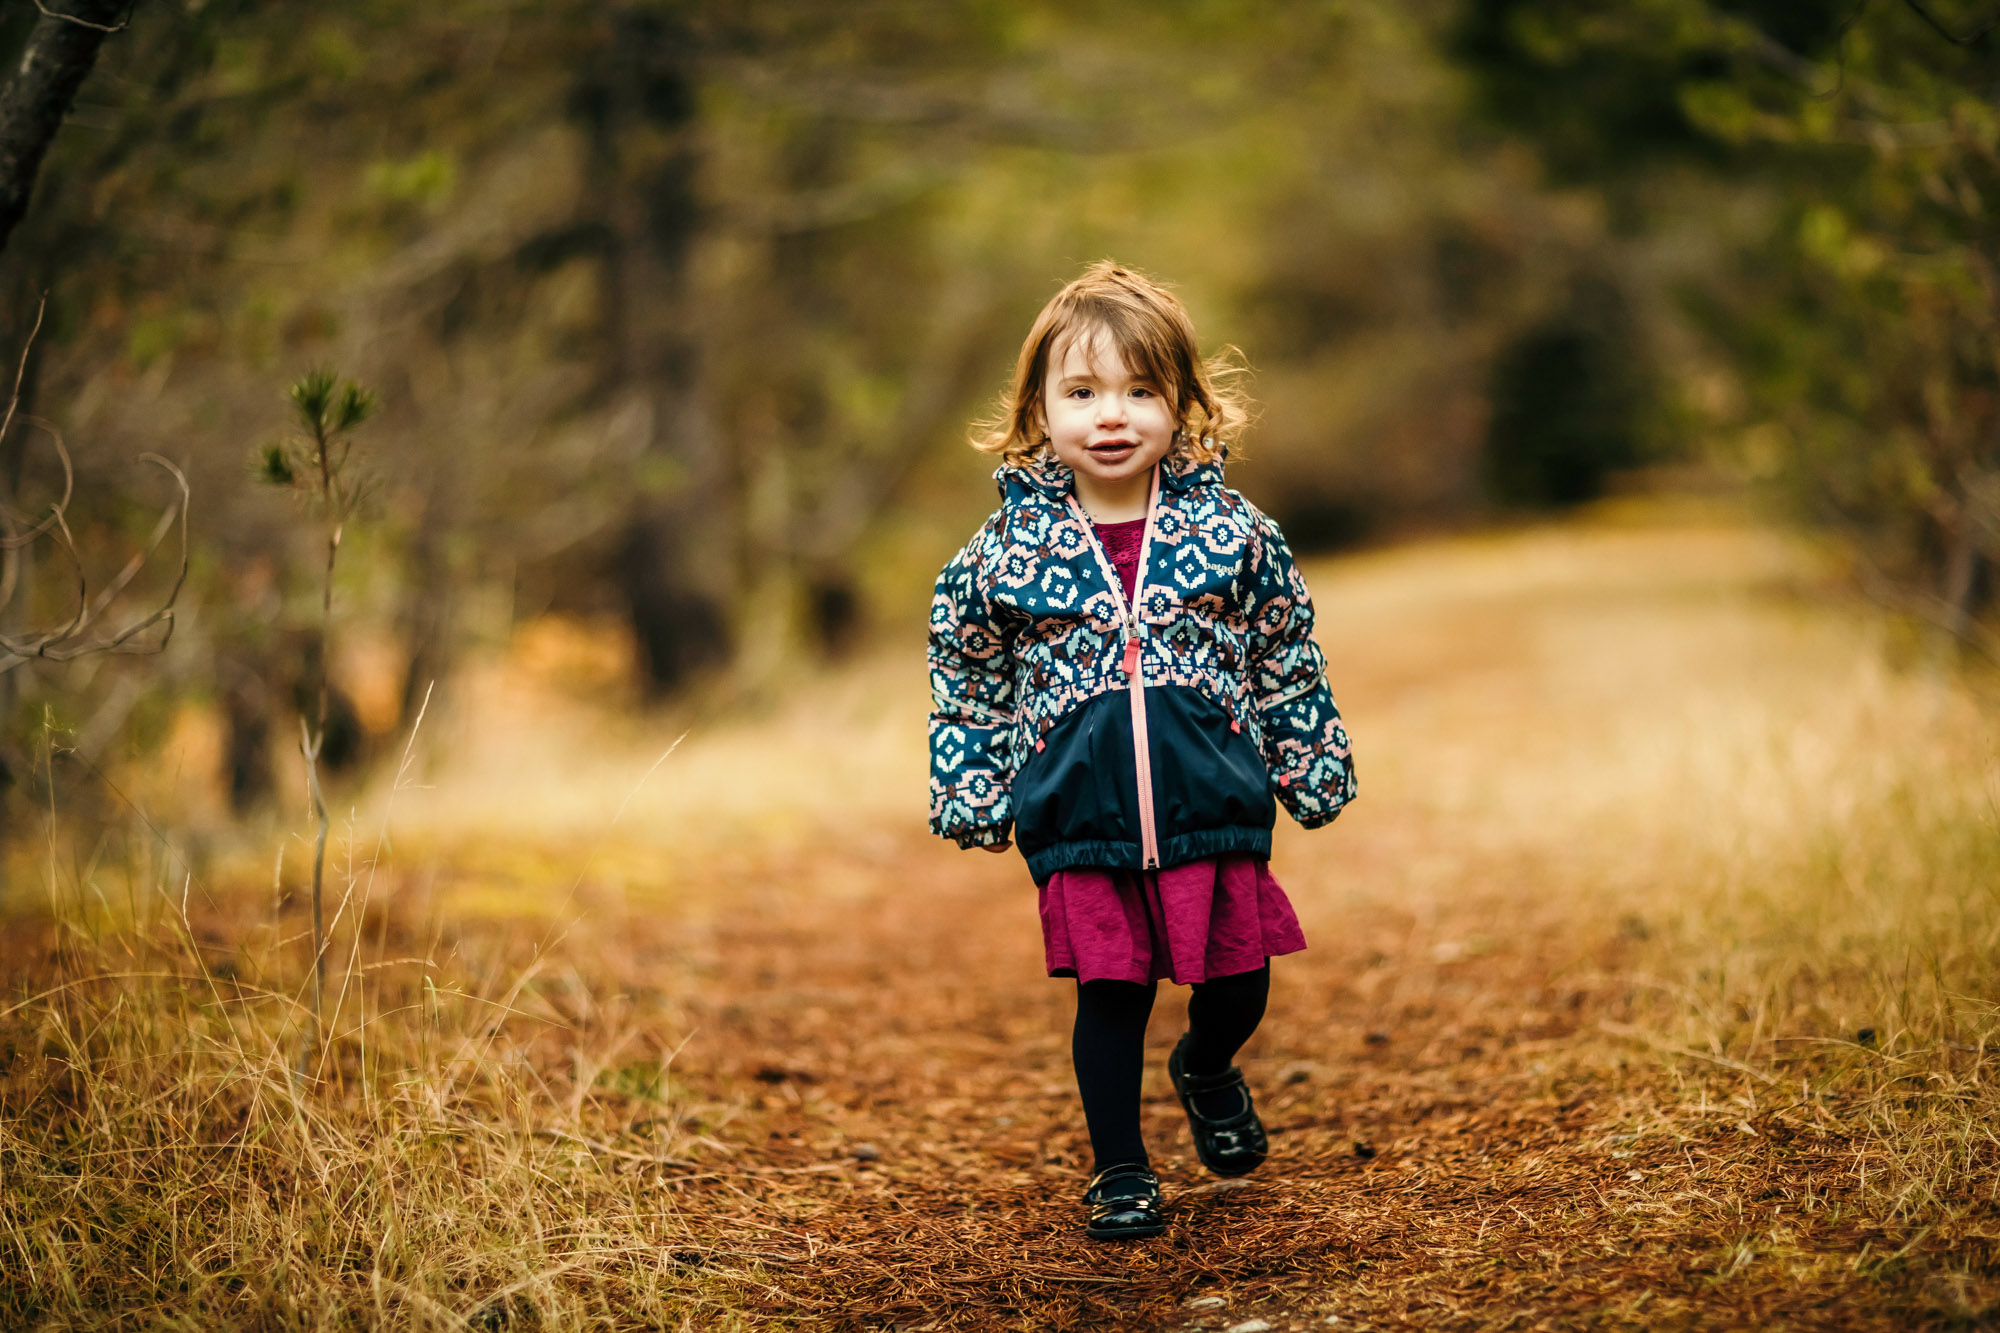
<point>1056,481</point>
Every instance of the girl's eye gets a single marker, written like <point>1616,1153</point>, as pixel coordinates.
<point>1141,391</point>
<point>1079,393</point>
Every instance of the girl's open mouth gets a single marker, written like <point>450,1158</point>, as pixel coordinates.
<point>1115,452</point>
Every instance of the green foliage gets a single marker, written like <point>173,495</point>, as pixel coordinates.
<point>312,393</point>
<point>1857,313</point>
<point>356,406</point>
<point>327,407</point>
<point>154,336</point>
<point>336,53</point>
<point>425,180</point>
<point>275,466</point>
<point>316,462</point>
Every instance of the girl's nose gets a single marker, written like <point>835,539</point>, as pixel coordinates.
<point>1110,407</point>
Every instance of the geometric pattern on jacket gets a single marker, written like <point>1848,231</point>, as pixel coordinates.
<point>1024,628</point>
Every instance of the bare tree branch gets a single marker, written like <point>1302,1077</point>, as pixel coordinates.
<point>1974,38</point>
<point>1892,593</point>
<point>81,22</point>
<point>73,639</point>
<point>16,540</point>
<point>1933,610</point>
<point>21,371</point>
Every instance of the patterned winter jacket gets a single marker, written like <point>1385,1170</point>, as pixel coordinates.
<point>1101,734</point>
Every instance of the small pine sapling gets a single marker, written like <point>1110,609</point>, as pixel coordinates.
<point>315,465</point>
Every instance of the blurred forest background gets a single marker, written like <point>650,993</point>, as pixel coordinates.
<point>677,312</point>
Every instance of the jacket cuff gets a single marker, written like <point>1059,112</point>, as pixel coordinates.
<point>1309,759</point>
<point>987,835</point>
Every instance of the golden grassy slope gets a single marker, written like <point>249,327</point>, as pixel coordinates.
<point>1652,985</point>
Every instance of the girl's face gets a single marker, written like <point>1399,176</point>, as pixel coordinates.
<point>1107,425</point>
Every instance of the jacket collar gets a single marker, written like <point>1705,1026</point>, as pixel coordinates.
<point>1046,477</point>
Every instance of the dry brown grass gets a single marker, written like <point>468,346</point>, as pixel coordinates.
<point>1653,830</point>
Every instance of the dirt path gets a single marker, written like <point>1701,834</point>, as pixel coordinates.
<point>1552,727</point>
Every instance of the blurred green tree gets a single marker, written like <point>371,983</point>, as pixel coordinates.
<point>1860,146</point>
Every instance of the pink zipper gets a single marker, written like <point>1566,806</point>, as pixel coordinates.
<point>1142,749</point>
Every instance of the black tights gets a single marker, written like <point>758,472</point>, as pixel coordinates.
<point>1109,1048</point>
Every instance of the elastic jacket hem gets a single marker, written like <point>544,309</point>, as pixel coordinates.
<point>1174,851</point>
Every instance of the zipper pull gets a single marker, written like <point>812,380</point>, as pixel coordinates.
<point>1132,656</point>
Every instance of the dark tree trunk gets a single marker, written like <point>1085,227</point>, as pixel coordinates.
<point>61,48</point>
<point>426,610</point>
<point>1960,583</point>
<point>247,708</point>
<point>833,611</point>
<point>679,626</point>
<point>638,100</point>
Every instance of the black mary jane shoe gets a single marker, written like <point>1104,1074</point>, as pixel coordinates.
<point>1124,1203</point>
<point>1232,1146</point>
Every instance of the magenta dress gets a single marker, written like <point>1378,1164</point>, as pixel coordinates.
<point>1209,918</point>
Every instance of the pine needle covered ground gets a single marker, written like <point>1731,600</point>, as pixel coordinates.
<point>1652,985</point>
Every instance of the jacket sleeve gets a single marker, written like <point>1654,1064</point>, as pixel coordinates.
<point>1305,744</point>
<point>972,698</point>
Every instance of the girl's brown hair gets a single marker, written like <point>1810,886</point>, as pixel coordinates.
<point>1153,334</point>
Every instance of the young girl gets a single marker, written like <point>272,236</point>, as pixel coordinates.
<point>1125,678</point>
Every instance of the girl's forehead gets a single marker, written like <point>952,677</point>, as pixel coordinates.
<point>1090,352</point>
